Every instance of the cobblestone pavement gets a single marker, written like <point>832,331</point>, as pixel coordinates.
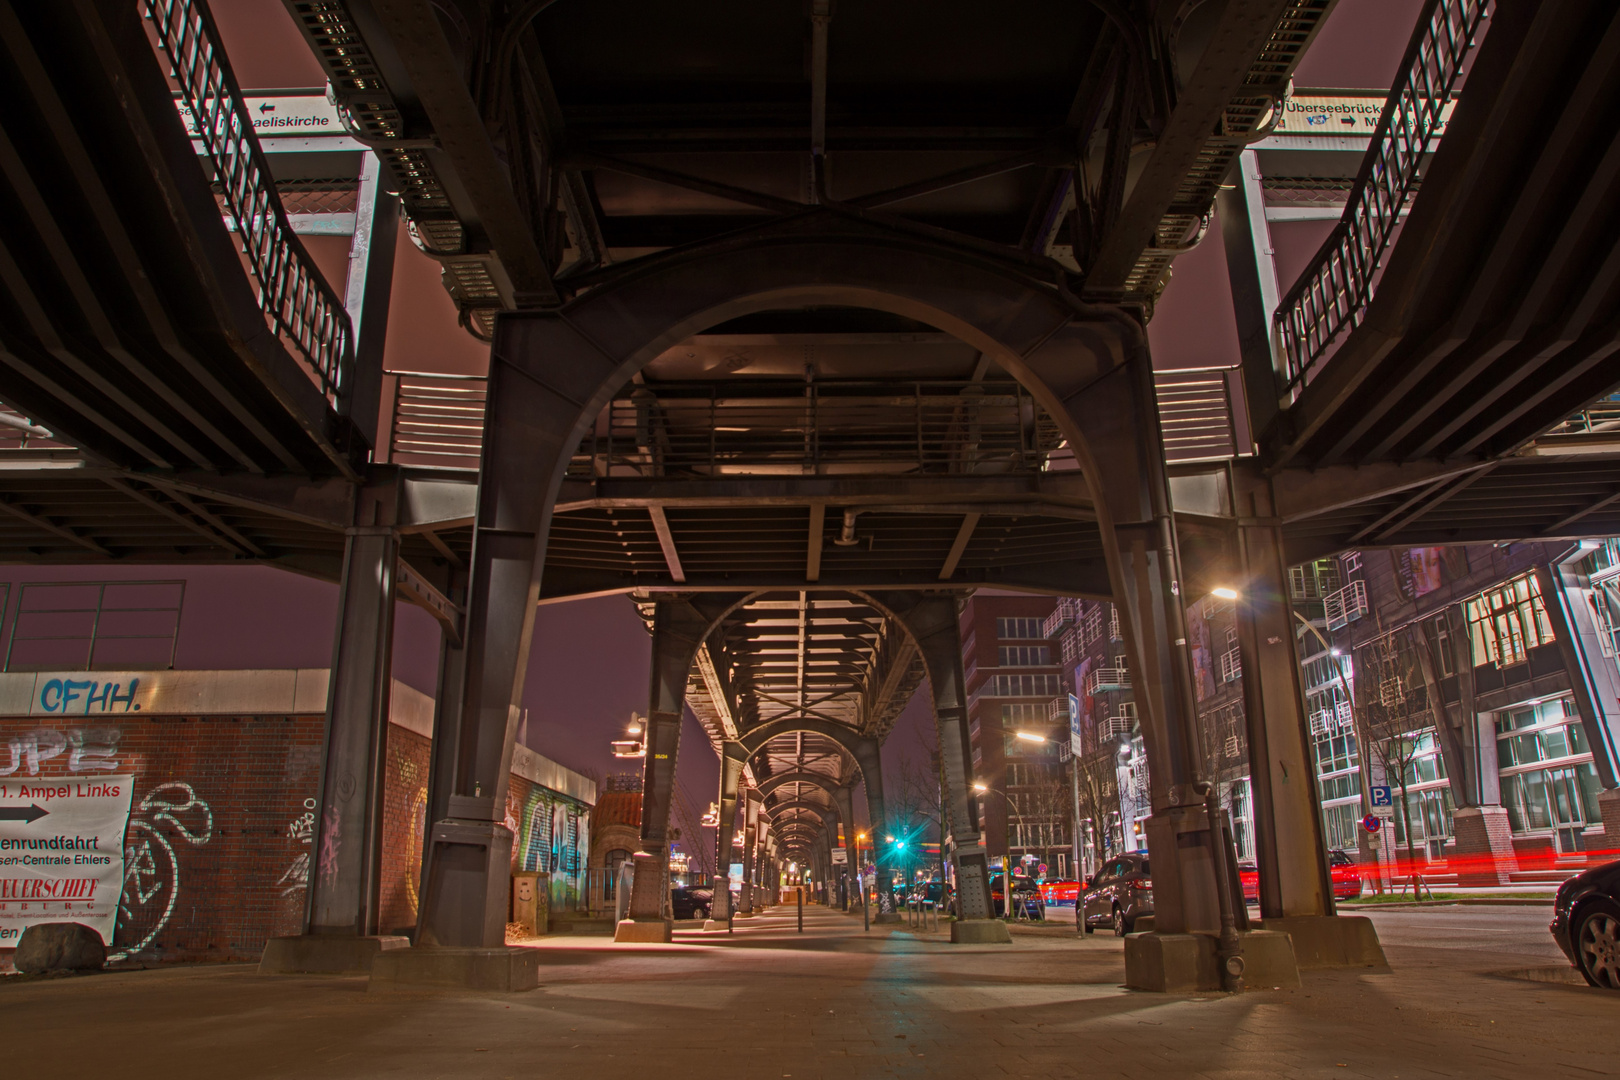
<point>767,1002</point>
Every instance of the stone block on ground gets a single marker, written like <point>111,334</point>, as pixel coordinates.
<point>315,954</point>
<point>1331,941</point>
<point>980,932</point>
<point>1186,963</point>
<point>649,931</point>
<point>59,946</point>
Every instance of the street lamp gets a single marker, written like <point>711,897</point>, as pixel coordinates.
<point>1224,593</point>
<point>1006,861</point>
<point>635,746</point>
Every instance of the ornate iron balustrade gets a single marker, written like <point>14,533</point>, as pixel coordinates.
<point>298,304</point>
<point>1334,292</point>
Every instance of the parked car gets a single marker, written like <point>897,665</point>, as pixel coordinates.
<point>1121,893</point>
<point>1027,902</point>
<point>1063,894</point>
<point>1347,882</point>
<point>1586,924</point>
<point>690,903</point>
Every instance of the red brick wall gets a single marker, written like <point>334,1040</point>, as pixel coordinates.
<point>237,799</point>
<point>218,842</point>
<point>404,818</point>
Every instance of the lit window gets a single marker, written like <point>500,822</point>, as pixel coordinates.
<point>1505,623</point>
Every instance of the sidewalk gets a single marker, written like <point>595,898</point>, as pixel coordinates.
<point>838,1003</point>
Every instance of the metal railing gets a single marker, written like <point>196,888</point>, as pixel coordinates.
<point>1195,413</point>
<point>1064,615</point>
<point>1118,726</point>
<point>922,915</point>
<point>298,304</point>
<point>1603,415</point>
<point>1334,292</point>
<point>825,428</point>
<point>438,420</point>
<point>1101,680</point>
<point>1345,606</point>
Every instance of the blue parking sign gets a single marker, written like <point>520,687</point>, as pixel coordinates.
<point>1381,796</point>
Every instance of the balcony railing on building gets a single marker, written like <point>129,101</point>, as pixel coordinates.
<point>1119,725</point>
<point>1057,712</point>
<point>1064,615</point>
<point>1102,680</point>
<point>1345,606</point>
<point>1328,722</point>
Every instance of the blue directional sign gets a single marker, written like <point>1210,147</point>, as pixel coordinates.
<point>1381,796</point>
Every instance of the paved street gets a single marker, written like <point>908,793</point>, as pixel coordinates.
<point>766,1002</point>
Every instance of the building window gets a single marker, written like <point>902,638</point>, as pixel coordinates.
<point>1041,686</point>
<point>1019,628</point>
<point>1442,647</point>
<point>1024,656</point>
<point>1349,563</point>
<point>1339,825</point>
<point>1016,747</point>
<point>1022,714</point>
<point>1505,623</point>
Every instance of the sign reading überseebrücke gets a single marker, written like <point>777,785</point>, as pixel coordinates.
<point>61,852</point>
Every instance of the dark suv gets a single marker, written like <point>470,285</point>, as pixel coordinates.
<point>1121,893</point>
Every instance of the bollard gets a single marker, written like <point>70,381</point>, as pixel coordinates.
<point>801,908</point>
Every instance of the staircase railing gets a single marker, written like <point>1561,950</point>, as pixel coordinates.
<point>297,302</point>
<point>1334,292</point>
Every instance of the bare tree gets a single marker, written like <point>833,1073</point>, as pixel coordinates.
<point>1397,718</point>
<point>1098,777</point>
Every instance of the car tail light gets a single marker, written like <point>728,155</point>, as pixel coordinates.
<point>1143,884</point>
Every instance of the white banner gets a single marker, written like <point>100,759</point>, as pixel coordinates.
<point>62,852</point>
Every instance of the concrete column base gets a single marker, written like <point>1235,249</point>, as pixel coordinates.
<point>652,930</point>
<point>1484,846</point>
<point>1331,941</point>
<point>320,954</point>
<point>505,969</point>
<point>716,924</point>
<point>980,932</point>
<point>1184,963</point>
<point>885,916</point>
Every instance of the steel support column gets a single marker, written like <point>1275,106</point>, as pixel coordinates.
<point>731,768</point>
<point>751,805</point>
<point>346,855</point>
<point>870,758</point>
<point>844,800</point>
<point>933,623</point>
<point>1291,852</point>
<point>680,626</point>
<point>1118,413</point>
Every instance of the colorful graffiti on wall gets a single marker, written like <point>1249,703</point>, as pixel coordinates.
<point>553,836</point>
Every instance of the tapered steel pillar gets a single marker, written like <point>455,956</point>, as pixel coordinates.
<point>679,629</point>
<point>346,856</point>
<point>844,799</point>
<point>870,758</point>
<point>750,846</point>
<point>933,623</point>
<point>1290,848</point>
<point>731,767</point>
<point>343,897</point>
